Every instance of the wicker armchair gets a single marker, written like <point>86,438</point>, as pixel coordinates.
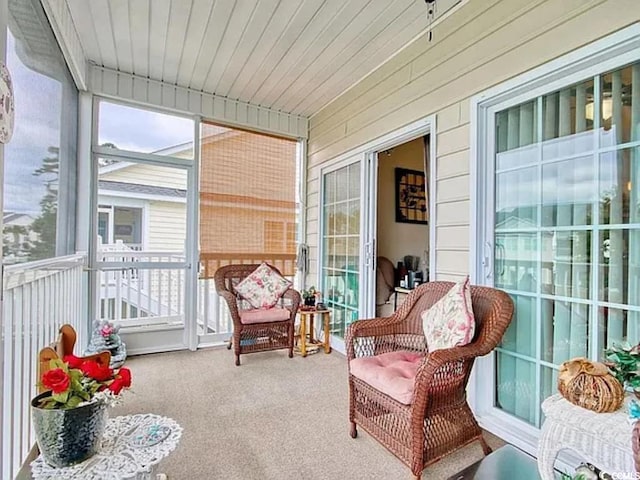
<point>265,331</point>
<point>437,420</point>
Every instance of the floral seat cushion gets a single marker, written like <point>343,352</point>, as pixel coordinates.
<point>450,321</point>
<point>263,287</point>
<point>392,373</point>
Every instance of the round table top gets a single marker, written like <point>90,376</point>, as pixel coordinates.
<point>132,445</point>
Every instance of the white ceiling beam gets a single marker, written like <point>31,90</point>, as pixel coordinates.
<point>124,86</point>
<point>65,31</point>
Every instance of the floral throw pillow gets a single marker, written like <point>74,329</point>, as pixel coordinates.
<point>450,322</point>
<point>263,287</point>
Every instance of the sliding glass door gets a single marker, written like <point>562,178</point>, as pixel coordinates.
<point>564,233</point>
<point>340,248</point>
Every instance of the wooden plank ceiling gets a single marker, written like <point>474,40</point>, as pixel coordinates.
<point>289,55</point>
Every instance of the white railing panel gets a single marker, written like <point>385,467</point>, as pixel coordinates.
<point>129,294</point>
<point>213,314</point>
<point>38,298</point>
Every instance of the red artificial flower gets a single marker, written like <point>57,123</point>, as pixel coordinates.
<point>73,361</point>
<point>56,380</point>
<point>117,385</point>
<point>125,375</point>
<point>95,371</point>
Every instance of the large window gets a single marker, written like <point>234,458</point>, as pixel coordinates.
<point>40,159</point>
<point>566,231</point>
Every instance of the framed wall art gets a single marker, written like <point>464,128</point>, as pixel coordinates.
<point>411,197</point>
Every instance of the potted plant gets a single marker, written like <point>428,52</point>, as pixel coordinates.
<point>624,362</point>
<point>69,418</point>
<point>310,295</point>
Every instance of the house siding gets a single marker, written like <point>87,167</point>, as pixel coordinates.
<point>152,175</point>
<point>167,227</point>
<point>480,45</point>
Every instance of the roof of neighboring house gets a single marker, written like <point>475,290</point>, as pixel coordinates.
<point>141,189</point>
<point>9,217</point>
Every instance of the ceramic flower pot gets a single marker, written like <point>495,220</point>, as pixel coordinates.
<point>310,301</point>
<point>67,437</point>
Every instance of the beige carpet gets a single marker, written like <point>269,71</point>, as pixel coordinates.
<point>272,418</point>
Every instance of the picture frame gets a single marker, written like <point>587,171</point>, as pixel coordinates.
<point>411,196</point>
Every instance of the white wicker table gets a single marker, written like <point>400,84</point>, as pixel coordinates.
<point>602,439</point>
<point>131,448</point>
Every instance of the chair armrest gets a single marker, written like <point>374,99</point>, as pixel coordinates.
<point>292,295</point>
<point>375,329</point>
<point>232,303</point>
<point>429,385</point>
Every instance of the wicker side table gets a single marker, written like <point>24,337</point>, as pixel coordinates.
<point>603,439</point>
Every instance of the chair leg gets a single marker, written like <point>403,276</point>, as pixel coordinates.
<point>485,446</point>
<point>354,430</point>
<point>237,360</point>
<point>230,343</point>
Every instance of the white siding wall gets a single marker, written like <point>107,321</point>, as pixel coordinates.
<point>167,227</point>
<point>149,175</point>
<point>478,46</point>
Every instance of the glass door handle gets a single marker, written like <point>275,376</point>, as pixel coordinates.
<point>502,255</point>
<point>487,262</point>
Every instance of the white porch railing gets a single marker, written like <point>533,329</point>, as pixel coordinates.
<point>134,296</point>
<point>213,314</point>
<point>38,298</point>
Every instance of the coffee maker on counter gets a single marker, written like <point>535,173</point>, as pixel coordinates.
<point>409,272</point>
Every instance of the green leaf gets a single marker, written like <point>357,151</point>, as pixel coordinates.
<point>73,402</point>
<point>76,386</point>
<point>58,363</point>
<point>61,397</point>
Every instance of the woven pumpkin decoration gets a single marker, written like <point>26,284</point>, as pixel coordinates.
<point>590,385</point>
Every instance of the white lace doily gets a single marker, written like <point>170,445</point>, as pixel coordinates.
<point>131,446</point>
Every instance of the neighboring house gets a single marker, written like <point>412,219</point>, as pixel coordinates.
<point>143,206</point>
<point>17,236</point>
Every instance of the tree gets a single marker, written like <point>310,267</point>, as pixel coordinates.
<point>15,242</point>
<point>44,246</point>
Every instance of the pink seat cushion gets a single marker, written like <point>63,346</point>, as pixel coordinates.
<point>392,373</point>
<point>260,315</point>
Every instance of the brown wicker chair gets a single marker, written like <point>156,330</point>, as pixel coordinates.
<point>260,336</point>
<point>438,420</point>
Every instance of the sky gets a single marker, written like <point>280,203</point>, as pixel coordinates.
<point>141,130</point>
<point>38,104</point>
<point>36,127</point>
